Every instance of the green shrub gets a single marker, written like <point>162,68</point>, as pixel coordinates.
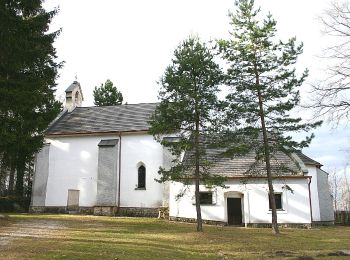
<point>14,204</point>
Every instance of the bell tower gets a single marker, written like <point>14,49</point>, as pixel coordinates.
<point>74,96</point>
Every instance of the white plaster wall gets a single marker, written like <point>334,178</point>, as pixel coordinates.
<point>314,193</point>
<point>255,201</point>
<point>74,163</point>
<point>324,196</point>
<point>138,149</point>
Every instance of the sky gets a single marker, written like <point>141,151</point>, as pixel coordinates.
<point>131,43</point>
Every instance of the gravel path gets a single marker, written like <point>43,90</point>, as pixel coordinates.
<point>30,228</point>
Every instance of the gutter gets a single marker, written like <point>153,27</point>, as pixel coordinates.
<point>67,134</point>
<point>119,170</point>
<point>253,177</point>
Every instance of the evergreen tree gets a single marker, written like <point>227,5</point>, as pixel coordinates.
<point>28,70</point>
<point>264,87</point>
<point>107,95</point>
<point>187,110</point>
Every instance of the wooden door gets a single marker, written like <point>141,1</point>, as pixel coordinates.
<point>234,211</point>
<point>73,200</point>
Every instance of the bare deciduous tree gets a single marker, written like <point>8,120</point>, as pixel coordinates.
<point>334,186</point>
<point>340,189</point>
<point>346,189</point>
<point>331,96</point>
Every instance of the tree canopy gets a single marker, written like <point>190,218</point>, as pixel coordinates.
<point>107,95</point>
<point>263,87</point>
<point>28,70</point>
<point>188,102</point>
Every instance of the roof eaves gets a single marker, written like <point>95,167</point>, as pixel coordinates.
<point>94,133</point>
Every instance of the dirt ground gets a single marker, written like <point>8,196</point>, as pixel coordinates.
<point>30,228</point>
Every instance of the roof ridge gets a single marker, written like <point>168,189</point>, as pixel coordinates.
<point>105,119</point>
<point>124,105</point>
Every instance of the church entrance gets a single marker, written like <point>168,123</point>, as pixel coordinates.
<point>234,211</point>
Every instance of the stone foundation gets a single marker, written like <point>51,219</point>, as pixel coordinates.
<point>43,209</point>
<point>163,213</point>
<point>105,210</point>
<point>138,212</point>
<point>86,210</point>
<point>322,223</point>
<point>61,210</point>
<point>252,225</point>
<point>193,220</point>
<point>281,225</point>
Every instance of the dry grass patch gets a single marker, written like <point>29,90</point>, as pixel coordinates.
<point>90,237</point>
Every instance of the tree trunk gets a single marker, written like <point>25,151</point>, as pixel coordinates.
<point>3,175</point>
<point>197,173</point>
<point>335,190</point>
<point>197,179</point>
<point>198,205</point>
<point>20,176</point>
<point>29,177</point>
<point>11,186</point>
<point>348,188</point>
<point>275,229</point>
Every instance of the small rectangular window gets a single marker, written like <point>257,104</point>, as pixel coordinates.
<point>278,201</point>
<point>205,198</point>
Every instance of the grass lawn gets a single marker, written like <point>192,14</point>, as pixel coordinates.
<point>88,237</point>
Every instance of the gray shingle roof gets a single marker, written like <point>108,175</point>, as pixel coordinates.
<point>123,118</point>
<point>281,165</point>
<point>220,164</point>
<point>246,165</point>
<point>307,160</point>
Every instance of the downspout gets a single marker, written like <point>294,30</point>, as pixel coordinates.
<point>309,182</point>
<point>119,170</point>
<point>248,209</point>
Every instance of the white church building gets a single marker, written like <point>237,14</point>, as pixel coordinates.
<point>101,160</point>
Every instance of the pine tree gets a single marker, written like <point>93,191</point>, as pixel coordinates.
<point>28,70</point>
<point>264,87</point>
<point>107,95</point>
<point>187,110</point>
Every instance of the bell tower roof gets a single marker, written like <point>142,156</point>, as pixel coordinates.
<point>74,96</point>
<point>73,87</point>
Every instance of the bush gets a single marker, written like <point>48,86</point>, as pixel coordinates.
<point>14,204</point>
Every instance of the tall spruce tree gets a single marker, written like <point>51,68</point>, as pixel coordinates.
<point>187,110</point>
<point>107,95</point>
<point>264,87</point>
<point>28,70</point>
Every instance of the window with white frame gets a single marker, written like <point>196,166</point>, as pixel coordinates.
<point>278,201</point>
<point>205,197</point>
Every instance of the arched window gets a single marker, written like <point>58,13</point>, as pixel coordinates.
<point>76,98</point>
<point>141,177</point>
